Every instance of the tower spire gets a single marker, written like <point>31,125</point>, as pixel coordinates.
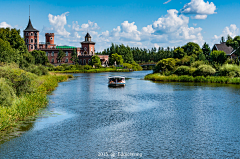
<point>29,11</point>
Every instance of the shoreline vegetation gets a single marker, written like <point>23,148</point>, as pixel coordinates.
<point>187,78</point>
<point>24,94</point>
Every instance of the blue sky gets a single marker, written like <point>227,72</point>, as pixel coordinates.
<point>141,23</point>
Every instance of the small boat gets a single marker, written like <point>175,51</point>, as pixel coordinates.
<point>116,81</point>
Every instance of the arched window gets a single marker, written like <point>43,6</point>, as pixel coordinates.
<point>66,60</point>
<point>35,40</point>
<point>27,40</point>
<point>91,48</point>
<point>35,46</point>
<point>80,61</point>
<point>31,46</point>
<point>66,53</point>
<point>89,61</point>
<point>52,53</point>
<point>31,34</point>
<point>31,40</point>
<point>36,34</point>
<point>52,61</point>
<point>84,62</point>
<point>46,53</point>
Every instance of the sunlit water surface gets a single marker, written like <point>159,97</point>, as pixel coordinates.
<point>145,119</point>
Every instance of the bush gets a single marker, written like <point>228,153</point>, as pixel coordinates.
<point>20,80</point>
<point>59,68</point>
<point>230,70</point>
<point>182,70</point>
<point>6,93</point>
<point>165,65</point>
<point>87,67</point>
<point>197,64</point>
<point>50,67</point>
<point>38,70</point>
<point>205,70</point>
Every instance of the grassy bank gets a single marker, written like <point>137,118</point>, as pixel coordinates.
<point>29,95</point>
<point>187,78</point>
<point>94,70</point>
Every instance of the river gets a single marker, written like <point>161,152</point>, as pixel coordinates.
<point>141,120</point>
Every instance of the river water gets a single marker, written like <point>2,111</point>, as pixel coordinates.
<point>141,120</point>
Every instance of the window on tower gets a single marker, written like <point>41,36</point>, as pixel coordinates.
<point>31,34</point>
<point>26,34</point>
<point>27,40</point>
<point>66,53</point>
<point>52,53</point>
<point>31,46</point>
<point>31,40</point>
<point>36,40</point>
<point>35,34</point>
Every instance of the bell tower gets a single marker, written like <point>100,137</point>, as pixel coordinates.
<point>88,46</point>
<point>31,36</point>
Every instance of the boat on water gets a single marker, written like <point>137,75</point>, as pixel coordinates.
<point>116,81</point>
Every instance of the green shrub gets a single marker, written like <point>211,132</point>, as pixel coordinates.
<point>38,70</point>
<point>192,70</point>
<point>182,70</point>
<point>197,63</point>
<point>59,68</point>
<point>87,67</point>
<point>50,67</point>
<point>20,79</point>
<point>6,93</point>
<point>230,70</point>
<point>205,70</point>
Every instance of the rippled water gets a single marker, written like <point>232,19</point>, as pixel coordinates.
<point>141,120</point>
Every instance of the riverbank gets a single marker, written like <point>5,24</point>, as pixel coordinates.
<point>187,78</point>
<point>94,70</point>
<point>28,104</point>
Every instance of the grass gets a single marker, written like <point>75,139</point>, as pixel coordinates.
<point>187,78</point>
<point>29,105</point>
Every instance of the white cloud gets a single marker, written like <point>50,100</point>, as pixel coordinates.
<point>90,26</point>
<point>173,28</point>
<point>167,2</point>
<point>58,24</point>
<point>233,31</point>
<point>5,25</point>
<point>199,17</point>
<point>200,8</point>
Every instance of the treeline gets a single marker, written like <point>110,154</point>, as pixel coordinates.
<point>140,55</point>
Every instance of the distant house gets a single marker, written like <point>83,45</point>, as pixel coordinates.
<point>227,49</point>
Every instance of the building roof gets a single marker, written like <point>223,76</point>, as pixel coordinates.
<point>88,35</point>
<point>87,42</point>
<point>223,47</point>
<point>65,47</point>
<point>30,27</point>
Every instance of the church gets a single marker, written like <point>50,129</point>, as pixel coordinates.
<point>84,53</point>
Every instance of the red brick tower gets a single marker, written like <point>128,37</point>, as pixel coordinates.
<point>31,37</point>
<point>49,40</point>
<point>88,46</point>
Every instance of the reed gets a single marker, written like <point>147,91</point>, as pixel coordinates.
<point>187,78</point>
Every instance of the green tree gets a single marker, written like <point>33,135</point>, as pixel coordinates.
<point>218,56</point>
<point>95,60</point>
<point>60,55</point>
<point>192,48</point>
<point>179,53</point>
<point>206,50</point>
<point>117,58</point>
<point>8,54</point>
<point>40,57</point>
<point>74,57</point>
<point>234,43</point>
<point>165,65</point>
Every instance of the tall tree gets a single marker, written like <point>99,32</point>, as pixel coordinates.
<point>74,57</point>
<point>117,58</point>
<point>235,44</point>
<point>40,57</point>
<point>206,50</point>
